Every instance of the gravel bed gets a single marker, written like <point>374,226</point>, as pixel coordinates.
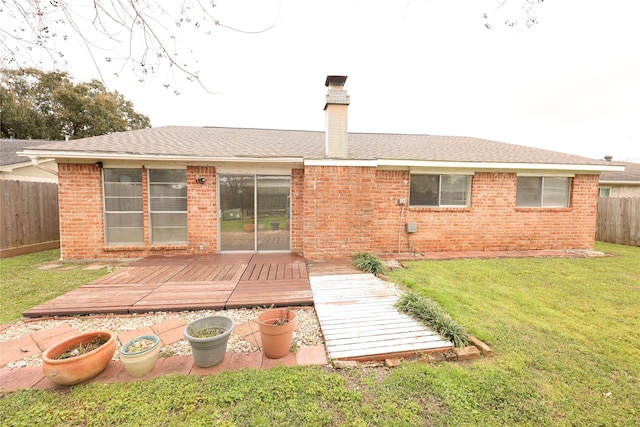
<point>307,334</point>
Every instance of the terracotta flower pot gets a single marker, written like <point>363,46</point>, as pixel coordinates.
<point>209,351</point>
<point>276,331</point>
<point>76,369</point>
<point>140,363</point>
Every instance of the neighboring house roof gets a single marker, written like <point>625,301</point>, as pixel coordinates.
<point>212,143</point>
<point>9,148</point>
<point>630,176</point>
<point>13,166</point>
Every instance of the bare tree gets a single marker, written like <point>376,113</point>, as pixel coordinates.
<point>145,35</point>
<point>514,12</point>
<point>149,36</point>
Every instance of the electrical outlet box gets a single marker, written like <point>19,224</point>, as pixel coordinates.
<point>402,201</point>
<point>412,227</point>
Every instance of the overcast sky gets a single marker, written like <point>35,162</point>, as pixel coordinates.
<point>571,83</point>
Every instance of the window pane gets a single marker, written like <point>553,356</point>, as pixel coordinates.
<point>123,206</point>
<point>168,205</point>
<point>124,220</point>
<point>424,190</point>
<point>604,192</point>
<point>122,175</point>
<point>124,236</point>
<point>529,191</point>
<point>171,176</point>
<point>124,228</point>
<point>169,219</point>
<point>169,235</point>
<point>123,190</point>
<point>555,192</point>
<point>455,190</point>
<point>169,227</point>
<point>168,190</point>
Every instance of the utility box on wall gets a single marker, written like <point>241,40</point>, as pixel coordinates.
<point>412,227</point>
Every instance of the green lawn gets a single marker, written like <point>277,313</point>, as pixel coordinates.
<point>238,224</point>
<point>23,285</point>
<point>565,334</point>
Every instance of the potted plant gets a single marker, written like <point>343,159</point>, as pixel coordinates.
<point>79,358</point>
<point>139,354</point>
<point>276,331</point>
<point>208,337</point>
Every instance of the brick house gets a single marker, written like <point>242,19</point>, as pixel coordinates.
<point>621,184</point>
<point>189,190</point>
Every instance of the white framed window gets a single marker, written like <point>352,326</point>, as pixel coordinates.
<point>604,192</point>
<point>168,205</point>
<point>440,190</point>
<point>123,214</point>
<point>543,191</point>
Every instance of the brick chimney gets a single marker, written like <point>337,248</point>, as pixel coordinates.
<point>336,144</point>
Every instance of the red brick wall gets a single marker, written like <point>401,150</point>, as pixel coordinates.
<point>82,217</point>
<point>492,222</point>
<point>297,207</point>
<point>339,210</point>
<point>202,210</point>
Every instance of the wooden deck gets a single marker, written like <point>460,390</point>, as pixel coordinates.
<point>355,310</point>
<point>359,321</point>
<point>179,283</point>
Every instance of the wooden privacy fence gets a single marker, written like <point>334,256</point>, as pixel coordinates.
<point>28,217</point>
<point>618,220</point>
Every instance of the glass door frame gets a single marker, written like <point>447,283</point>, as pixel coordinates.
<point>267,228</point>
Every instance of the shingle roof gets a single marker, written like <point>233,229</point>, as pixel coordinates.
<point>268,143</point>
<point>9,148</point>
<point>631,174</point>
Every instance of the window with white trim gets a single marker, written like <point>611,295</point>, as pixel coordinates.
<point>123,214</point>
<point>543,191</point>
<point>604,192</point>
<point>168,205</point>
<point>440,190</point>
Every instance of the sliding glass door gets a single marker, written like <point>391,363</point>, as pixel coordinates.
<point>254,212</point>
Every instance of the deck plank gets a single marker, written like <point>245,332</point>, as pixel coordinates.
<point>359,320</point>
<point>189,282</point>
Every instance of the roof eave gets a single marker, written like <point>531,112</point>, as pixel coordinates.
<point>591,168</point>
<point>391,163</point>
<point>618,182</point>
<point>35,154</point>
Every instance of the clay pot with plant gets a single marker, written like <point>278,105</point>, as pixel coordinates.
<point>208,337</point>
<point>139,355</point>
<point>276,331</point>
<point>79,358</point>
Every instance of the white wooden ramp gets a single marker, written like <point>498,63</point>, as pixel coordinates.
<point>359,321</point>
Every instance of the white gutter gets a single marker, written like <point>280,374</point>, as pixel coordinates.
<point>497,165</point>
<point>37,155</point>
<point>619,182</point>
<point>341,162</point>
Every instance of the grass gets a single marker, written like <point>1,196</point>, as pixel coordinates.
<point>238,224</point>
<point>23,285</point>
<point>564,333</point>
